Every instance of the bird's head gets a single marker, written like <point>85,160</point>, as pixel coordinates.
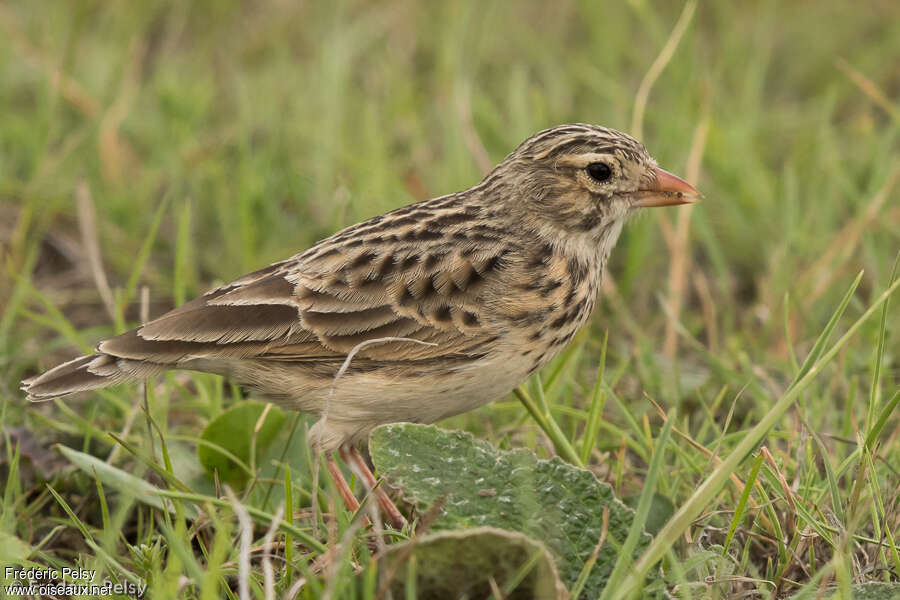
<point>586,178</point>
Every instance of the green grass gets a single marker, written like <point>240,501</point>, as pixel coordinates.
<point>214,138</point>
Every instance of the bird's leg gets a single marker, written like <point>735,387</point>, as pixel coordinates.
<point>343,488</point>
<point>353,458</point>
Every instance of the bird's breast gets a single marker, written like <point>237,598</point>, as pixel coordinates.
<point>552,301</point>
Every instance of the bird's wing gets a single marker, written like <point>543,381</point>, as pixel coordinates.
<point>320,305</point>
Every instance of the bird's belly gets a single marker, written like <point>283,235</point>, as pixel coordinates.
<point>425,396</point>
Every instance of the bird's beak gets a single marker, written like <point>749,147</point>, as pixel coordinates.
<point>666,190</point>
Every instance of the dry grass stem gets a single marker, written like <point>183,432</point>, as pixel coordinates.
<point>71,90</point>
<point>868,87</point>
<point>679,251</point>
<point>360,346</point>
<point>335,553</point>
<point>786,488</point>
<point>87,225</point>
<point>295,590</point>
<point>114,151</point>
<point>268,571</point>
<point>495,589</point>
<point>656,69</point>
<point>142,387</point>
<point>824,271</point>
<point>346,364</point>
<point>246,526</point>
<point>708,306</point>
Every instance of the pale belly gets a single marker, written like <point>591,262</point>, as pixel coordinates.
<point>360,402</point>
<point>422,398</point>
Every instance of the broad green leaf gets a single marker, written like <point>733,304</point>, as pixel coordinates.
<point>12,549</point>
<point>119,480</point>
<point>233,432</point>
<point>460,563</point>
<point>549,500</point>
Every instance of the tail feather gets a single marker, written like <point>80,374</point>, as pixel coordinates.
<point>79,375</point>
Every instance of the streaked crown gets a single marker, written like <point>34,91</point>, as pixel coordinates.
<point>581,138</point>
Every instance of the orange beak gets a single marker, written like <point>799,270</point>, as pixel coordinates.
<point>666,190</point>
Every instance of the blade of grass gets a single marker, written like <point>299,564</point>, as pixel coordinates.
<point>19,292</point>
<point>787,333</point>
<point>819,346</point>
<point>139,261</point>
<point>579,584</point>
<point>182,254</point>
<point>519,576</point>
<point>412,566</point>
<point>541,414</point>
<point>68,510</point>
<point>836,504</point>
<point>882,515</point>
<point>777,532</point>
<point>598,401</point>
<point>623,563</point>
<point>181,548</point>
<point>565,363</point>
<point>116,478</point>
<point>815,525</point>
<point>13,487</point>
<point>221,546</point>
<point>882,419</point>
<point>170,478</point>
<point>104,507</point>
<point>872,406</point>
<point>294,423</point>
<point>629,419</point>
<point>289,517</point>
<point>742,504</point>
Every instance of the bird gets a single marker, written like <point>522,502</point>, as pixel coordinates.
<point>425,312</point>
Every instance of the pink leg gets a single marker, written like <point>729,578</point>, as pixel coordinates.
<point>343,488</point>
<point>353,458</point>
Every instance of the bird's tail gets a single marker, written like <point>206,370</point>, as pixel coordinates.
<point>86,373</point>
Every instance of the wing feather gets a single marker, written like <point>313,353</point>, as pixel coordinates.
<point>321,304</point>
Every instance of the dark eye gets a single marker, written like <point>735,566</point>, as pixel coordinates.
<point>599,171</point>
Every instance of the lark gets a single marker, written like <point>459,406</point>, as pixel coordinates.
<point>422,313</point>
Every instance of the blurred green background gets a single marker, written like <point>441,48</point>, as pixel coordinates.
<point>181,144</point>
<point>258,128</point>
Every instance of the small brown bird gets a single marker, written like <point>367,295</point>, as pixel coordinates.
<point>422,313</point>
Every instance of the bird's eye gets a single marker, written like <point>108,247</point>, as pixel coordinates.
<point>599,171</point>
